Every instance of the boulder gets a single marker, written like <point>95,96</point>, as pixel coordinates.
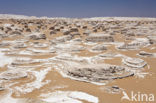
<point>84,27</point>
<point>87,32</point>
<point>69,48</point>
<point>99,48</point>
<point>108,55</point>
<point>97,72</point>
<point>75,33</point>
<point>4,44</point>
<point>61,39</point>
<point>152,39</point>
<point>52,28</point>
<point>99,38</point>
<point>3,35</point>
<point>39,45</point>
<point>95,30</point>
<point>2,88</point>
<point>28,30</point>
<point>74,29</point>
<point>135,44</point>
<point>134,62</point>
<point>145,54</point>
<point>66,32</point>
<point>16,33</point>
<point>20,45</point>
<point>53,32</point>
<point>13,74</point>
<point>37,36</point>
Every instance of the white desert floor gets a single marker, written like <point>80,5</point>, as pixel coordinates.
<point>62,60</point>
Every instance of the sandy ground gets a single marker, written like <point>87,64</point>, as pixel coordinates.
<point>46,60</point>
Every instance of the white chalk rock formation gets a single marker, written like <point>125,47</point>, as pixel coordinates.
<point>134,62</point>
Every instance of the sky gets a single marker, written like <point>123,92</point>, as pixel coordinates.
<point>80,8</point>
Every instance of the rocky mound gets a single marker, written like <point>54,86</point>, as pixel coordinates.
<point>135,44</point>
<point>13,74</point>
<point>97,73</point>
<point>134,62</point>
<point>99,37</point>
<point>146,54</point>
<point>99,48</point>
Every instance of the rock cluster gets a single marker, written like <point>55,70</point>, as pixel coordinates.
<point>136,44</point>
<point>80,49</point>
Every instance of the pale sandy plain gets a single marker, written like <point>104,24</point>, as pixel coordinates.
<point>88,60</point>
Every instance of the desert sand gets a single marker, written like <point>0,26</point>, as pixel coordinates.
<point>71,60</point>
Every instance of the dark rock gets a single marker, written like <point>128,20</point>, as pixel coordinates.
<point>145,54</point>
<point>15,32</point>
<point>51,28</point>
<point>74,30</point>
<point>28,30</point>
<point>100,38</point>
<point>52,32</point>
<point>1,88</point>
<point>38,36</point>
